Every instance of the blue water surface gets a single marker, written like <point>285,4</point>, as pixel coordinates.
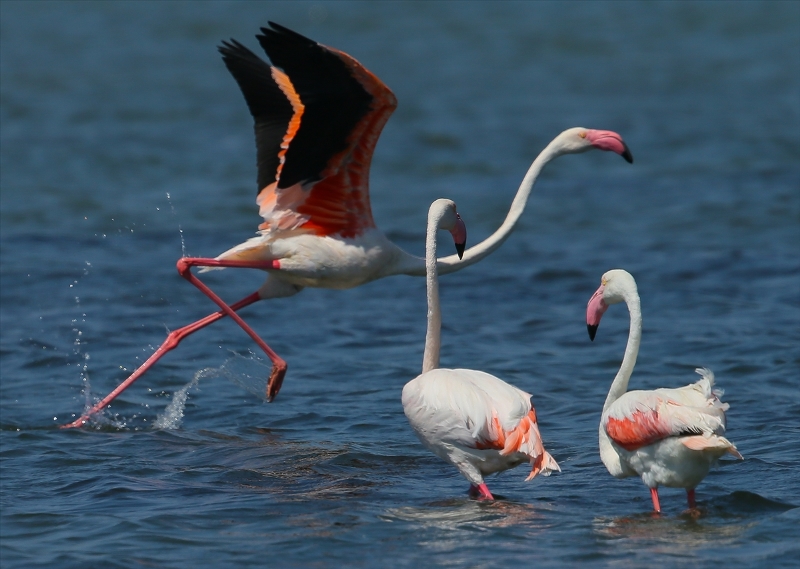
<point>125,143</point>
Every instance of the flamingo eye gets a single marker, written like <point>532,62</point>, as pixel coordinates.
<point>582,134</point>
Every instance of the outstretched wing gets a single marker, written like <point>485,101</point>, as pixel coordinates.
<point>272,105</point>
<point>318,115</point>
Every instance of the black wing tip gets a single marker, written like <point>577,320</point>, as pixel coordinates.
<point>460,249</point>
<point>274,30</point>
<point>228,47</point>
<point>231,49</point>
<point>592,331</point>
<point>276,27</point>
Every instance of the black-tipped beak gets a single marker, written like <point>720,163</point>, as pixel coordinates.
<point>459,233</point>
<point>592,331</point>
<point>626,154</point>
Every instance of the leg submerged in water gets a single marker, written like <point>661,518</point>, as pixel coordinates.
<point>654,496</point>
<point>690,498</point>
<point>480,492</point>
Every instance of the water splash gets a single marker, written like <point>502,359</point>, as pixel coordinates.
<point>234,369</point>
<point>180,229</point>
<point>248,372</point>
<point>172,417</point>
<point>78,344</point>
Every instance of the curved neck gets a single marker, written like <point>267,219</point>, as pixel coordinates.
<point>474,254</point>
<point>433,337</point>
<point>407,264</point>
<point>620,383</point>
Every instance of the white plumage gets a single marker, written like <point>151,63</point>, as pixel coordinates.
<point>455,412</point>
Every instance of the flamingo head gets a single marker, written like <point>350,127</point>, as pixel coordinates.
<point>615,286</point>
<point>576,140</point>
<point>445,211</point>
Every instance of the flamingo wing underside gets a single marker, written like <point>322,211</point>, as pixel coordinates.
<point>270,107</point>
<point>318,115</point>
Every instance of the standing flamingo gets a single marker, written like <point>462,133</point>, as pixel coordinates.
<point>669,437</point>
<point>475,421</point>
<point>318,114</point>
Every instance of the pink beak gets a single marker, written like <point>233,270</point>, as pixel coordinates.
<point>459,233</point>
<point>594,311</point>
<point>609,140</point>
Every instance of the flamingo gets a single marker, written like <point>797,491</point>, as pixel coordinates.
<point>318,114</point>
<point>475,421</point>
<point>668,437</point>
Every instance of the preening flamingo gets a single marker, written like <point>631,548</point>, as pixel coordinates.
<point>318,114</point>
<point>669,437</point>
<point>475,421</point>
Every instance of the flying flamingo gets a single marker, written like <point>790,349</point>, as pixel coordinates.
<point>475,421</point>
<point>669,437</point>
<point>318,114</point>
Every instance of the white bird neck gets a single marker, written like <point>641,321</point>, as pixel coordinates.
<point>620,384</point>
<point>433,336</point>
<point>407,264</point>
<point>474,254</point>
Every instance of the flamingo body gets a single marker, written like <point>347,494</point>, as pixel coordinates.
<point>305,259</point>
<point>475,421</point>
<point>668,437</point>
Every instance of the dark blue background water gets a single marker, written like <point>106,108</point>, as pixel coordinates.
<point>123,137</point>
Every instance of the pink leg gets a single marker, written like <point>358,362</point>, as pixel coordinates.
<point>175,337</point>
<point>690,498</point>
<point>480,491</point>
<point>654,496</point>
<point>278,364</point>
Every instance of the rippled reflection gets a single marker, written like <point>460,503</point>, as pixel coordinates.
<point>468,515</point>
<point>719,524</point>
<point>665,534</point>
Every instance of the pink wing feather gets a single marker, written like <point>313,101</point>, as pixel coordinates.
<point>641,418</point>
